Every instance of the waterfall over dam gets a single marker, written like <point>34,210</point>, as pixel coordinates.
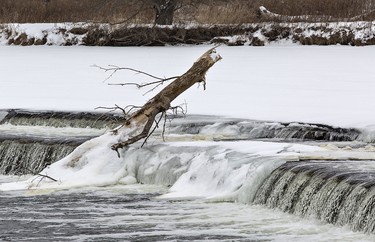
<point>58,119</point>
<point>338,191</point>
<point>29,141</point>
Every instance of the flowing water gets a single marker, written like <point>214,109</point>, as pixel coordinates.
<point>214,179</point>
<point>136,213</point>
<point>339,192</point>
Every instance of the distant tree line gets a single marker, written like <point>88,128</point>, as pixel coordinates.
<point>164,12</point>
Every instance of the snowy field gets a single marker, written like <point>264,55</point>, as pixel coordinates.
<point>330,85</point>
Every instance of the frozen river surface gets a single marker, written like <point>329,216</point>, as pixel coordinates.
<point>330,85</point>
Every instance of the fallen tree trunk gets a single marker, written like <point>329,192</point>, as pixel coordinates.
<point>264,13</point>
<point>92,157</point>
<point>160,103</point>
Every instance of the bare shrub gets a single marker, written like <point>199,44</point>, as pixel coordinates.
<point>96,37</point>
<point>155,36</point>
<point>257,42</point>
<point>276,32</point>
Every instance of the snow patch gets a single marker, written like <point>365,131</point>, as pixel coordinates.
<point>41,34</point>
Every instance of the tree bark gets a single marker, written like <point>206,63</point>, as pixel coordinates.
<point>162,101</point>
<point>164,11</point>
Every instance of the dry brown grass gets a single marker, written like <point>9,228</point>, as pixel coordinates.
<point>44,11</point>
<point>220,12</point>
<point>203,12</point>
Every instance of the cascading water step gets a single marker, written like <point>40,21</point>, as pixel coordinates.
<point>337,192</point>
<point>216,127</point>
<point>32,140</point>
<point>239,129</point>
<point>57,133</point>
<point>18,158</point>
<point>59,119</point>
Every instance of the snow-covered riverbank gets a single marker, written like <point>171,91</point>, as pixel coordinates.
<point>255,34</point>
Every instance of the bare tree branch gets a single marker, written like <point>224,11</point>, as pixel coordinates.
<point>114,69</point>
<point>153,130</point>
<point>161,82</point>
<point>41,176</point>
<point>142,135</point>
<point>164,126</point>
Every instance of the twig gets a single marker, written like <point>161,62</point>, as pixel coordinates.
<point>112,109</point>
<point>158,83</point>
<point>164,125</point>
<point>40,175</point>
<point>114,69</point>
<point>125,112</point>
<point>153,130</point>
<point>144,84</point>
<point>46,176</point>
<point>175,109</point>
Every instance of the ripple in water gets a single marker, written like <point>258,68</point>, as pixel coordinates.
<point>135,213</point>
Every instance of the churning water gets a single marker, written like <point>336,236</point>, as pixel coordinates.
<point>181,191</point>
<point>136,213</point>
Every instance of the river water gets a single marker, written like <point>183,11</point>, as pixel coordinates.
<point>137,213</point>
<point>214,180</point>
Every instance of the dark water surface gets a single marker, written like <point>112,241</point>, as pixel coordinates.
<point>135,213</point>
<point>29,141</point>
<point>101,215</point>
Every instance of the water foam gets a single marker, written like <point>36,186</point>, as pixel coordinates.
<point>203,169</point>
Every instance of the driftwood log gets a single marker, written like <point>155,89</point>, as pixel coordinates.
<point>160,103</point>
<point>265,14</point>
